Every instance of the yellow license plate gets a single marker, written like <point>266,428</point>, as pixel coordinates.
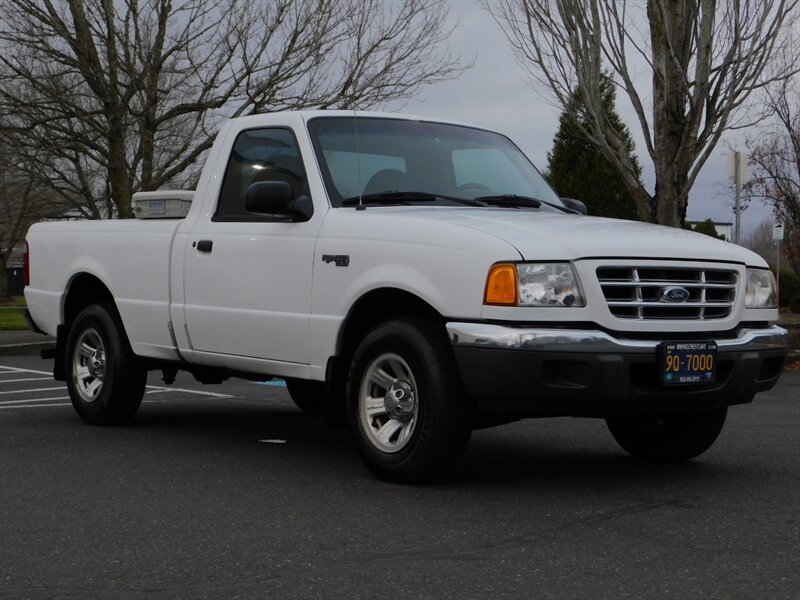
<point>688,362</point>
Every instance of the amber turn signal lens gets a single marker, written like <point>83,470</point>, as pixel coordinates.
<point>501,285</point>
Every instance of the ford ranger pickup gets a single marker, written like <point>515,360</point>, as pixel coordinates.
<point>412,279</point>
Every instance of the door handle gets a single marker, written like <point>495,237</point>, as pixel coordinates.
<point>205,245</point>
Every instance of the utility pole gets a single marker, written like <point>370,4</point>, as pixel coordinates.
<point>737,172</point>
<point>737,175</point>
<point>777,235</point>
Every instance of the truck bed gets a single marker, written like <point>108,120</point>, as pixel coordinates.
<point>130,257</point>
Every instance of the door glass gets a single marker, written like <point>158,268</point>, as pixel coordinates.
<point>260,155</point>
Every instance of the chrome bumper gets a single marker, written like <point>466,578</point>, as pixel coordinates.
<point>483,335</point>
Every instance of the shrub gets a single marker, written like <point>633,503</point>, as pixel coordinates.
<point>794,305</point>
<point>790,287</point>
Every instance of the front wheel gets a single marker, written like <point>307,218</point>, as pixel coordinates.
<point>668,437</point>
<point>106,381</point>
<point>406,406</point>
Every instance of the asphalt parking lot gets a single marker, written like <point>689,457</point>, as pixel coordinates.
<point>230,492</point>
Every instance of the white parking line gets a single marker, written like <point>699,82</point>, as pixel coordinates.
<point>58,404</point>
<point>34,405</point>
<point>18,370</point>
<point>34,400</point>
<point>26,390</point>
<point>187,391</point>
<point>19,376</point>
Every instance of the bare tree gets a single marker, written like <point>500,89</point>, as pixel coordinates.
<point>704,58</point>
<point>760,241</point>
<point>775,159</point>
<point>22,203</point>
<point>119,96</point>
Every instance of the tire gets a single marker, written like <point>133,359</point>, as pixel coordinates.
<point>422,428</point>
<point>668,437</point>
<point>308,396</point>
<point>105,379</point>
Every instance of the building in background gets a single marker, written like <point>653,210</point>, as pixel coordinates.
<point>723,228</point>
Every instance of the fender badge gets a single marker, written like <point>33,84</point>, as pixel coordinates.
<point>340,260</point>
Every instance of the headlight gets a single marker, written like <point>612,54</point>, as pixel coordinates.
<point>533,284</point>
<point>760,289</point>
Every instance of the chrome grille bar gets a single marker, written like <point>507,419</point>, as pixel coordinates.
<point>662,304</point>
<point>686,284</point>
<point>637,292</point>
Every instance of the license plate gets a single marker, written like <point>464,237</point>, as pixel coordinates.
<point>688,362</point>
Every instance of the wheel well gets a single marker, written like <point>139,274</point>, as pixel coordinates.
<point>84,290</point>
<point>377,306</point>
<point>371,309</point>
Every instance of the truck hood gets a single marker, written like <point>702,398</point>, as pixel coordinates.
<point>539,235</point>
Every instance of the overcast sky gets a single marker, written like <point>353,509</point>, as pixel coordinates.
<point>494,94</point>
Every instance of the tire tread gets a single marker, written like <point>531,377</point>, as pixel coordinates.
<point>126,375</point>
<point>440,437</point>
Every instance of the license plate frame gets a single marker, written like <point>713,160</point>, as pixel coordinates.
<point>687,363</point>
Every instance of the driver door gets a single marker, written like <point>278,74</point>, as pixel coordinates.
<point>247,277</point>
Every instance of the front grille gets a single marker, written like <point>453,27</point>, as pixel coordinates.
<point>639,292</point>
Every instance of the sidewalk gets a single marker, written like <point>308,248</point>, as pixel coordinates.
<point>16,343</point>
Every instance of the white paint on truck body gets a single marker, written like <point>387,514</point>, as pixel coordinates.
<point>264,301</point>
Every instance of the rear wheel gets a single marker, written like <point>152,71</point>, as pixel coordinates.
<point>406,405</point>
<point>309,396</point>
<point>668,437</point>
<point>106,381</point>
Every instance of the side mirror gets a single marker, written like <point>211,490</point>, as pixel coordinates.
<point>277,198</point>
<point>576,205</point>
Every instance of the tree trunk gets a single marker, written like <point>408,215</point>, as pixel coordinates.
<point>670,36</point>
<point>147,141</point>
<point>3,277</point>
<point>118,172</point>
<point>4,257</point>
<point>669,204</point>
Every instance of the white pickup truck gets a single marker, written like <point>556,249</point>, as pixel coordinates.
<point>415,279</point>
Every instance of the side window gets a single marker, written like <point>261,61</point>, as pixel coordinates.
<point>259,155</point>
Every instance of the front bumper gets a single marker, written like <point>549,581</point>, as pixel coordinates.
<point>574,372</point>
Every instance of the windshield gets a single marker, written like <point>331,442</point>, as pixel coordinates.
<point>388,156</point>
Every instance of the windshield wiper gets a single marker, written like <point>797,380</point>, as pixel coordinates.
<point>511,200</point>
<point>396,197</point>
<point>518,201</point>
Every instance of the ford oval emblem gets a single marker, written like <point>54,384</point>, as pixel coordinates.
<point>674,294</point>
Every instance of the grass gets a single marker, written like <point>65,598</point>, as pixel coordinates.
<point>11,318</point>
<point>12,301</point>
